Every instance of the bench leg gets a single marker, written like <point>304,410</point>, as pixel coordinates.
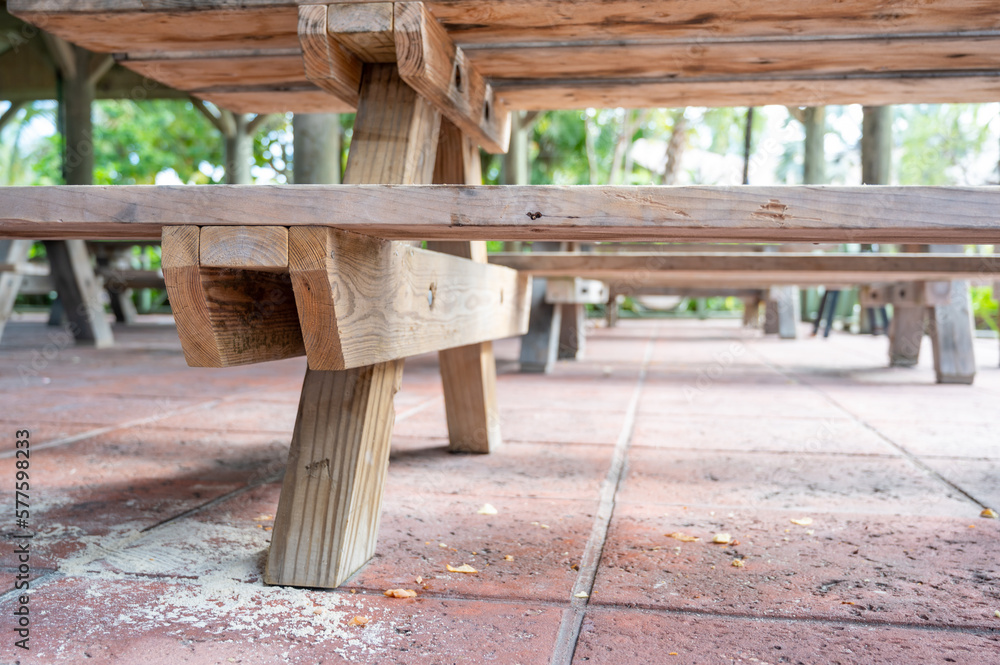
<point>788,312</point>
<point>468,373</point>
<point>572,330</point>
<point>328,515</point>
<point>540,346</point>
<point>751,313</point>
<point>12,252</point>
<point>906,332</point>
<point>951,331</point>
<point>79,291</point>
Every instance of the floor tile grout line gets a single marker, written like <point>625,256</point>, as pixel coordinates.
<point>913,459</point>
<point>572,619</point>
<point>89,434</point>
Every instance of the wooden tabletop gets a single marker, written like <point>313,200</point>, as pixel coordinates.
<point>549,54</point>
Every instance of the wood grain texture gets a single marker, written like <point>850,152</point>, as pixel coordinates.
<point>873,90</point>
<point>251,247</point>
<point>906,332</point>
<point>269,100</point>
<point>227,317</point>
<point>636,265</point>
<point>363,300</point>
<point>395,136</point>
<point>951,330</point>
<point>327,64</point>
<point>225,72</point>
<point>738,59</point>
<point>365,29</point>
<point>468,373</point>
<point>328,514</point>
<point>433,66</point>
<point>968,215</point>
<point>326,527</point>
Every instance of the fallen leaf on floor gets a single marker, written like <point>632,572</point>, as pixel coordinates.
<point>810,532</point>
<point>420,579</point>
<point>464,568</point>
<point>487,509</point>
<point>989,513</point>
<point>544,526</point>
<point>734,542</point>
<point>997,614</point>
<point>673,653</point>
<point>508,558</point>
<point>575,566</point>
<point>738,563</point>
<point>721,539</point>
<point>802,521</point>
<point>581,594</point>
<point>359,621</point>
<point>261,518</point>
<point>846,602</point>
<point>683,537</point>
<point>400,593</point>
<point>442,545</point>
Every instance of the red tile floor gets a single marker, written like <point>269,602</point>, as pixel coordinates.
<point>153,488</point>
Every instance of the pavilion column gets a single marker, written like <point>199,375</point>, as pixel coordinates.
<point>80,303</point>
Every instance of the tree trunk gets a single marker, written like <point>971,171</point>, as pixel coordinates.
<point>814,158</point>
<point>317,148</point>
<point>239,152</point>
<point>675,149</point>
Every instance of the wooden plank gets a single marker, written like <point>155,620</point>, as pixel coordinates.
<point>79,292</point>
<point>967,215</point>
<point>257,248</point>
<point>116,29</point>
<point>841,89</point>
<point>253,68</point>
<point>498,22</point>
<point>468,373</point>
<point>365,29</point>
<point>575,291</point>
<point>437,69</point>
<point>270,100</point>
<point>227,317</point>
<point>738,59</point>
<point>330,506</point>
<point>364,300</point>
<point>327,64</point>
<point>743,265</point>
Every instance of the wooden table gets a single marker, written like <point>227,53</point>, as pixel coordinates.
<point>260,273</point>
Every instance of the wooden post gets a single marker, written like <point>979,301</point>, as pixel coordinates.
<point>516,170</point>
<point>540,347</point>
<point>876,145</point>
<point>906,332</point>
<point>12,253</point>
<point>751,313</point>
<point>468,373</point>
<point>331,499</point>
<point>952,329</point>
<point>572,337</point>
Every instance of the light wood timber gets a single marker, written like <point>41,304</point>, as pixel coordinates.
<point>575,291</point>
<point>906,333</point>
<point>327,63</point>
<point>750,266</point>
<point>331,497</point>
<point>437,69</point>
<point>364,300</point>
<point>202,74</point>
<point>965,215</point>
<point>225,316</point>
<point>266,99</point>
<point>13,254</point>
<point>468,373</point>
<point>365,29</point>
<point>952,329</point>
<point>254,248</point>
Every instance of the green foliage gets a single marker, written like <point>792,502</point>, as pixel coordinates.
<point>985,308</point>
<point>938,142</point>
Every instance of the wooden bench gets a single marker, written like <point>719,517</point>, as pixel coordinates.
<point>430,82</point>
